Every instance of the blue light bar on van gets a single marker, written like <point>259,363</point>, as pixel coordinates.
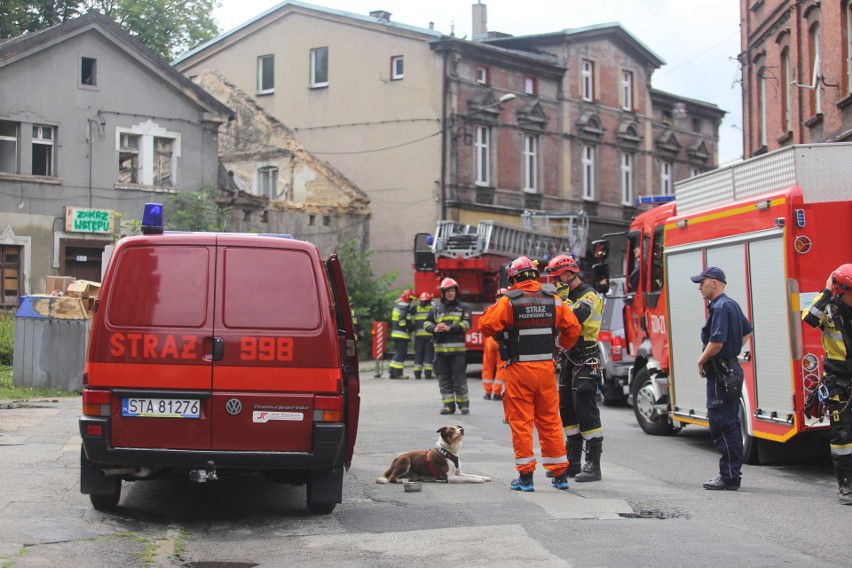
<point>652,199</point>
<point>152,219</point>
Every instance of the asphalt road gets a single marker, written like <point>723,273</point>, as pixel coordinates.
<point>649,509</point>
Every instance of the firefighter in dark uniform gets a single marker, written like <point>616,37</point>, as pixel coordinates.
<point>401,324</point>
<point>424,351</point>
<point>580,375</point>
<point>723,336</point>
<point>448,322</point>
<point>831,311</point>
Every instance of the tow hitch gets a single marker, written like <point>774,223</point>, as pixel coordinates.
<point>204,475</point>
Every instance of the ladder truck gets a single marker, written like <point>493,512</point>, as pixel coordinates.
<point>476,257</point>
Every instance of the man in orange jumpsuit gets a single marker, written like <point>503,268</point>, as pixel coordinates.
<point>530,317</point>
<point>493,365</point>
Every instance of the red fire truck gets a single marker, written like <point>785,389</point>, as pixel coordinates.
<point>777,225</point>
<point>476,256</point>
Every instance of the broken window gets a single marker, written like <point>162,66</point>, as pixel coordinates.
<point>89,71</point>
<point>10,274</point>
<point>8,147</point>
<point>128,159</point>
<point>163,161</point>
<point>43,157</point>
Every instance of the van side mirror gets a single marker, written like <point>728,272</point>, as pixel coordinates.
<point>601,249</point>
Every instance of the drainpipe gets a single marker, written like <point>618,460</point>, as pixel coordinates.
<point>798,13</point>
<point>445,133</point>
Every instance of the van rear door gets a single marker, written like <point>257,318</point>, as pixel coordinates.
<point>348,353</point>
<point>276,344</point>
<point>150,341</point>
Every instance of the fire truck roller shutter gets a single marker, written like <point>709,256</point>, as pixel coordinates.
<point>687,316</point>
<point>771,317</point>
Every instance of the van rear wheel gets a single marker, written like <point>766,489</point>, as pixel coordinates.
<point>107,501</point>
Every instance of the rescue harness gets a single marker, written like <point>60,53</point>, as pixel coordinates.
<point>452,457</point>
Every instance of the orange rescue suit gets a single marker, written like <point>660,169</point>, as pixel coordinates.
<point>531,396</point>
<point>493,367</point>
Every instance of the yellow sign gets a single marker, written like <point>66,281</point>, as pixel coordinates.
<point>88,220</point>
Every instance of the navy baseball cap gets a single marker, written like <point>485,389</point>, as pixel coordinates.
<point>713,272</point>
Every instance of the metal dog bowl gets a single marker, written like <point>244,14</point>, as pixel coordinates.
<point>412,486</point>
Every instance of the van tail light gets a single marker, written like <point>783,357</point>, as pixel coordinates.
<point>328,409</point>
<point>616,348</point>
<point>96,402</point>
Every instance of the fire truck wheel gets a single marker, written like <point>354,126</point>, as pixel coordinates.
<point>751,455</point>
<point>647,416</point>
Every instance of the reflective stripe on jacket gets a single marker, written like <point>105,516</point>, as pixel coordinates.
<point>400,319</point>
<point>421,312</point>
<point>831,320</point>
<point>587,305</point>
<point>534,314</point>
<point>457,316</point>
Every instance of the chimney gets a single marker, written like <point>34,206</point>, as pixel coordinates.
<point>383,16</point>
<point>480,21</point>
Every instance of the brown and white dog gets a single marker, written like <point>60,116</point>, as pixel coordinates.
<point>441,463</point>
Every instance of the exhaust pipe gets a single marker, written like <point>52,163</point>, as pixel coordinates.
<point>137,472</point>
<point>204,475</point>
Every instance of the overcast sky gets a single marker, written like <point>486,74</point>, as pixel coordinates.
<point>699,41</point>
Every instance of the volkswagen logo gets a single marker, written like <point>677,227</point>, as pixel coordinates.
<point>234,406</point>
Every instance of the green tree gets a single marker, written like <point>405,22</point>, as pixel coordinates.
<point>195,211</point>
<point>168,27</point>
<point>372,297</point>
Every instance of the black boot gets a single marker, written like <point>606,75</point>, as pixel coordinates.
<point>418,374</point>
<point>844,490</point>
<point>449,408</point>
<point>574,445</point>
<point>592,468</point>
<point>428,374</point>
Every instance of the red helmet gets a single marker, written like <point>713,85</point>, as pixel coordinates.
<point>407,295</point>
<point>448,283</point>
<point>522,265</point>
<point>502,292</point>
<point>562,263</point>
<point>841,279</point>
<point>425,297</point>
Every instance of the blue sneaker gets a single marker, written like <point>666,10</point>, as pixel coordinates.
<point>560,482</point>
<point>523,483</point>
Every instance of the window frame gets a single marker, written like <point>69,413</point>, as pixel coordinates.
<point>786,91</point>
<point>7,266</point>
<point>626,89</point>
<point>267,182</point>
<point>761,106</point>
<point>588,171</point>
<point>627,179</point>
<point>482,75</point>
<point>400,74</point>
<point>314,53</point>
<point>149,156</point>
<point>482,155</point>
<point>666,174</point>
<point>261,74</point>
<point>16,140</point>
<point>587,80</point>
<point>531,163</point>
<point>814,40</point>
<point>94,64</point>
<point>530,85</point>
<point>39,140</point>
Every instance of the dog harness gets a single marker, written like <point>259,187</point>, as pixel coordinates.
<point>452,457</point>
